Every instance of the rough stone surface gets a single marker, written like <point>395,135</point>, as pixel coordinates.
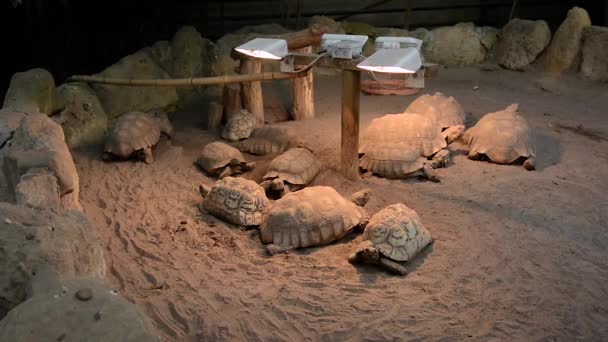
<point>161,54</point>
<point>9,121</point>
<point>31,238</point>
<point>117,100</point>
<point>488,36</point>
<point>454,45</point>
<point>56,313</point>
<point>520,42</point>
<point>332,25</point>
<point>595,53</point>
<point>38,188</point>
<point>187,48</point>
<point>566,44</point>
<point>83,119</point>
<point>32,91</point>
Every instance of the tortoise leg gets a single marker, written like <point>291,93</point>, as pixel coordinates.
<point>474,156</point>
<point>276,249</point>
<point>368,174</point>
<point>530,164</point>
<point>148,157</point>
<point>226,172</point>
<point>430,174</point>
<point>392,266</point>
<point>441,159</point>
<point>106,156</point>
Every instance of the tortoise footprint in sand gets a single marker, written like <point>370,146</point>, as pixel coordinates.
<point>134,134</point>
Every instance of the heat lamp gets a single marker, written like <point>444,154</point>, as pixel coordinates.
<point>265,48</point>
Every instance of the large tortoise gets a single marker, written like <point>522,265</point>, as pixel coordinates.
<point>239,126</point>
<point>445,110</point>
<point>134,134</point>
<point>394,234</point>
<point>313,216</point>
<point>503,137</point>
<point>265,140</point>
<point>396,161</point>
<point>236,200</point>
<point>222,160</point>
<point>291,171</point>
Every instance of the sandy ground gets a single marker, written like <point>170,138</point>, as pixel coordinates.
<point>519,255</point>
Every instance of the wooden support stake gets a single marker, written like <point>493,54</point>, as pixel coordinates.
<point>214,115</point>
<point>351,88</point>
<point>303,99</point>
<point>252,91</point>
<point>232,100</point>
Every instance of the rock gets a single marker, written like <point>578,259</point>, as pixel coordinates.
<point>38,188</point>
<point>594,64</point>
<point>334,26</point>
<point>10,119</point>
<point>266,29</point>
<point>187,51</point>
<point>32,91</point>
<point>160,52</point>
<point>57,313</point>
<point>117,100</point>
<point>391,32</point>
<point>83,119</point>
<point>34,238</point>
<point>520,42</point>
<point>566,44</point>
<point>456,45</point>
<point>488,36</point>
<point>359,28</point>
<point>421,33</point>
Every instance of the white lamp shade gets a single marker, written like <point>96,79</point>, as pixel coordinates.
<point>397,43</point>
<point>267,48</point>
<point>394,61</point>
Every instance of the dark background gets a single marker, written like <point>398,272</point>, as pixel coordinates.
<point>70,37</point>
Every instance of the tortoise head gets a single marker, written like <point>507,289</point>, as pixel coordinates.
<point>164,122</point>
<point>454,133</point>
<point>365,253</point>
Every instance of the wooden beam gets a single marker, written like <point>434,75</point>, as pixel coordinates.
<point>214,115</point>
<point>251,92</point>
<point>303,98</point>
<point>351,89</point>
<point>232,100</point>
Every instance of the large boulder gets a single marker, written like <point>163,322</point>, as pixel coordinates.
<point>118,100</point>
<point>520,42</point>
<point>33,238</point>
<point>161,54</point>
<point>594,64</point>
<point>488,36</point>
<point>9,121</point>
<point>83,118</point>
<point>32,91</point>
<point>456,45</point>
<point>187,49</point>
<point>37,188</point>
<point>565,46</point>
<point>332,25</point>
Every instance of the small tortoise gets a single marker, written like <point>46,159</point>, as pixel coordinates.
<point>134,134</point>
<point>394,234</point>
<point>239,126</point>
<point>222,160</point>
<point>236,200</point>
<point>265,140</point>
<point>291,171</point>
<point>503,137</point>
<point>396,161</point>
<point>313,216</point>
<point>445,110</point>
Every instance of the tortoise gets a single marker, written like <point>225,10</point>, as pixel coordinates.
<point>394,234</point>
<point>313,216</point>
<point>236,200</point>
<point>222,160</point>
<point>291,171</point>
<point>503,137</point>
<point>134,134</point>
<point>239,126</point>
<point>265,140</point>
<point>446,111</point>
<point>396,161</point>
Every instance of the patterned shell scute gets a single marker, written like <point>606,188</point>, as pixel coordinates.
<point>313,216</point>
<point>392,161</point>
<point>237,200</point>
<point>239,126</point>
<point>131,132</point>
<point>218,154</point>
<point>445,110</point>
<point>407,129</point>
<point>265,140</point>
<point>503,136</point>
<point>296,166</point>
<point>397,232</point>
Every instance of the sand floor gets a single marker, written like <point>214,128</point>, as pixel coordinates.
<point>519,255</point>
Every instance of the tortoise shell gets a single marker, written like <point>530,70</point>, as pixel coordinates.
<point>313,216</point>
<point>217,154</point>
<point>132,132</point>
<point>392,161</point>
<point>296,166</point>
<point>397,232</point>
<point>502,136</point>
<point>266,139</point>
<point>236,200</point>
<point>445,110</point>
<point>239,126</point>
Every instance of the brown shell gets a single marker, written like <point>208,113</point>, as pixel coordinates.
<point>265,140</point>
<point>217,155</point>
<point>503,136</point>
<point>239,126</point>
<point>236,200</point>
<point>397,232</point>
<point>445,110</point>
<point>296,166</point>
<point>411,130</point>
<point>392,161</point>
<point>132,132</point>
<point>313,216</point>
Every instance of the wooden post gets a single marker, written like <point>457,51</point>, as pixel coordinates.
<point>351,88</point>
<point>303,99</point>
<point>214,115</point>
<point>252,91</point>
<point>232,100</point>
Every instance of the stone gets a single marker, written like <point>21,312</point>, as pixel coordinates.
<point>83,119</point>
<point>32,91</point>
<point>38,188</point>
<point>594,64</point>
<point>32,238</point>
<point>10,119</point>
<point>566,44</point>
<point>391,32</point>
<point>520,42</point>
<point>488,36</point>
<point>334,26</point>
<point>456,45</point>
<point>160,52</point>
<point>187,50</point>
<point>118,100</point>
